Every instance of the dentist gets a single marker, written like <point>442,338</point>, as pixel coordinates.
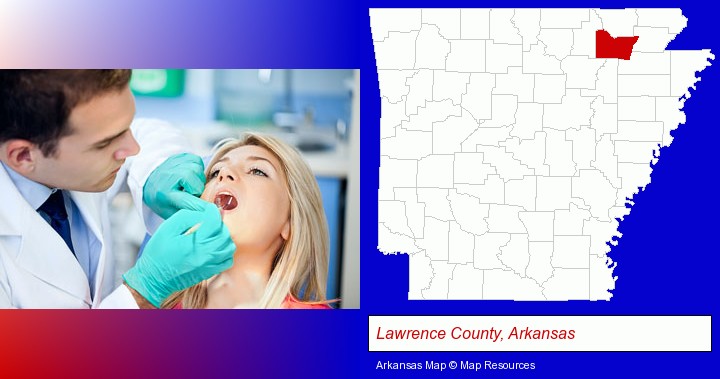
<point>68,144</point>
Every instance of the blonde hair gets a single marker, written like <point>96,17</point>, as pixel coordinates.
<point>300,267</point>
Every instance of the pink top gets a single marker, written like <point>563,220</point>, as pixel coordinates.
<point>289,303</point>
<point>293,303</point>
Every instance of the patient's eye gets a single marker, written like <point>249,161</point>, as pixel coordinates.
<point>102,145</point>
<point>257,171</point>
<point>213,174</point>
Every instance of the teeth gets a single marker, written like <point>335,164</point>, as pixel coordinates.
<point>218,202</point>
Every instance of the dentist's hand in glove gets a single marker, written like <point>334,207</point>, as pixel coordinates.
<point>173,260</point>
<point>175,185</point>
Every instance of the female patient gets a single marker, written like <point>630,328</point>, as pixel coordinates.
<point>271,204</point>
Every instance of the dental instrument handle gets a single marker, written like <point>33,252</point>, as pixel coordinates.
<point>192,229</point>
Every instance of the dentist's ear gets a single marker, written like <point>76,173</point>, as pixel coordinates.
<point>285,233</point>
<point>19,154</point>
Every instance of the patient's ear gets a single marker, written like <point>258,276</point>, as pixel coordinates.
<point>285,233</point>
<point>19,154</point>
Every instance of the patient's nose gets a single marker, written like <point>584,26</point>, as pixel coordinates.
<point>225,175</point>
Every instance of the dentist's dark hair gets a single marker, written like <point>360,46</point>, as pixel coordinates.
<point>35,104</point>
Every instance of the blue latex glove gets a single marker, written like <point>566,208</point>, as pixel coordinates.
<point>175,185</point>
<point>173,261</point>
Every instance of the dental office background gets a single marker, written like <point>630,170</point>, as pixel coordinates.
<point>317,111</point>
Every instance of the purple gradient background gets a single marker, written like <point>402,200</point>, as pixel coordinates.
<point>189,343</point>
<point>166,34</point>
<point>674,220</point>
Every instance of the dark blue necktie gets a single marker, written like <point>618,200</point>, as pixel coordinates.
<point>54,208</point>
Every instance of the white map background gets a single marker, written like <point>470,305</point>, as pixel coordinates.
<point>509,152</point>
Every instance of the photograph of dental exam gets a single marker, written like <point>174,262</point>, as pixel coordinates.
<point>179,189</point>
<point>280,160</point>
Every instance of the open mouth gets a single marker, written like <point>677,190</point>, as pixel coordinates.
<point>225,201</point>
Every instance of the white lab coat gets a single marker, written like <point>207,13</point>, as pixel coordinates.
<point>37,270</point>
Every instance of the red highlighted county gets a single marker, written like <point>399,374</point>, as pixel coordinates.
<point>608,47</point>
